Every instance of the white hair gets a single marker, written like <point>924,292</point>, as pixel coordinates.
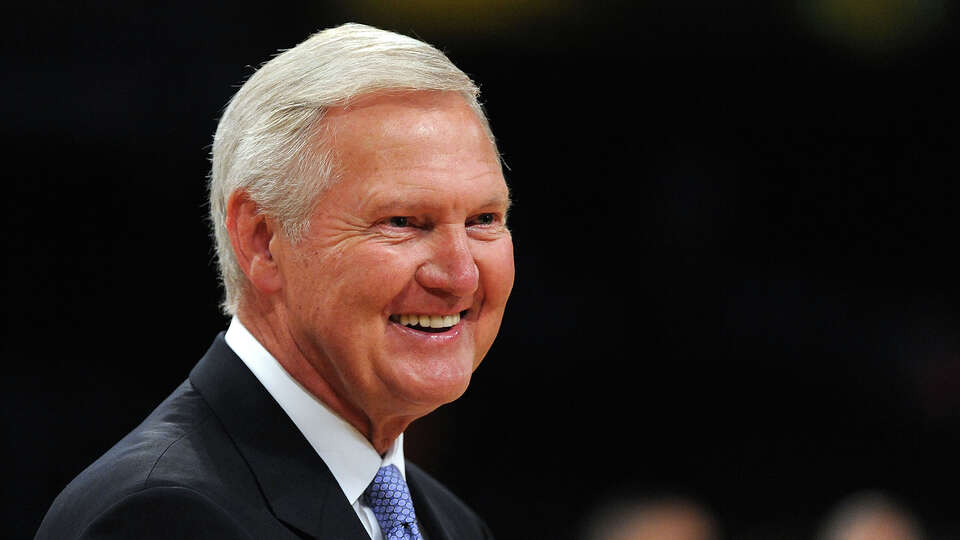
<point>269,140</point>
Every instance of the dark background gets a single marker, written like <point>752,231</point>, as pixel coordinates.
<point>735,235</point>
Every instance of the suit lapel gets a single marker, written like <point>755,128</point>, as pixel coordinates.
<point>429,515</point>
<point>296,483</point>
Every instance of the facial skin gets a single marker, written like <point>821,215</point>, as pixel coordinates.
<point>415,226</point>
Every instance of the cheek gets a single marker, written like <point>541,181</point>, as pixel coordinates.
<point>497,272</point>
<point>378,275</point>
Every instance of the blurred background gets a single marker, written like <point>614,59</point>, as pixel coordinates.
<point>735,228</point>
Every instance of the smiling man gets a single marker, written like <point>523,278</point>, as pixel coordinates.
<point>359,210</point>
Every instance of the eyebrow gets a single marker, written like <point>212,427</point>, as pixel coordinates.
<point>498,201</point>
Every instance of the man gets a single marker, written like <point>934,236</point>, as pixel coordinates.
<point>666,517</point>
<point>870,515</point>
<point>359,211</point>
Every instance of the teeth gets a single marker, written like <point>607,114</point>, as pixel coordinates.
<point>427,321</point>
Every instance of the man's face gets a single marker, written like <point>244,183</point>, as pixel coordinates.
<point>415,228</point>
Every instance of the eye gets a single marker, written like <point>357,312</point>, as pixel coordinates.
<point>484,219</point>
<point>399,221</point>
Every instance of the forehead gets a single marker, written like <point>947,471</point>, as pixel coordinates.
<point>380,123</point>
<point>413,146</point>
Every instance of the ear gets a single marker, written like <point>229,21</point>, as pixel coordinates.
<point>251,233</point>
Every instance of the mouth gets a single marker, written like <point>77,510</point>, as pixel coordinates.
<point>430,323</point>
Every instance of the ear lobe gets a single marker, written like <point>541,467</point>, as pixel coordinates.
<point>251,233</point>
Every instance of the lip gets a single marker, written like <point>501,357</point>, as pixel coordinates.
<point>436,337</point>
<point>469,315</point>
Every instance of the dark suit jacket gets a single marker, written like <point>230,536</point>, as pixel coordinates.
<point>220,459</point>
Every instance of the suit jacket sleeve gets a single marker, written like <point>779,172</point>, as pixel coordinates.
<point>164,512</point>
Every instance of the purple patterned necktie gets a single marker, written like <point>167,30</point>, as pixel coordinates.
<point>390,501</point>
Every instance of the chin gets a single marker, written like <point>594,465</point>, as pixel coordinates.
<point>433,384</point>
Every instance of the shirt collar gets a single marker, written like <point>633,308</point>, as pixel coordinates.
<point>348,454</point>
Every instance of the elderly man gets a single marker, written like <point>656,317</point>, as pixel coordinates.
<point>359,211</point>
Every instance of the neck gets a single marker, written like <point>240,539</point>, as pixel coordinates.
<point>269,329</point>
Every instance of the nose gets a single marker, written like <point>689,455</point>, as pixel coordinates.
<point>450,270</point>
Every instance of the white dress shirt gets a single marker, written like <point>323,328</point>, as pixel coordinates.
<point>348,454</point>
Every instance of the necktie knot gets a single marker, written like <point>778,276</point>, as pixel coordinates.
<point>389,498</point>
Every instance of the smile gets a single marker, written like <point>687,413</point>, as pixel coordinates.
<point>428,323</point>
